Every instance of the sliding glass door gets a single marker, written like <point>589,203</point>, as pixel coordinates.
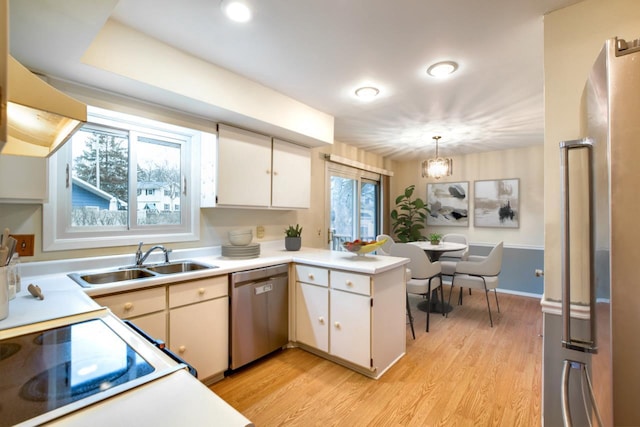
<point>354,203</point>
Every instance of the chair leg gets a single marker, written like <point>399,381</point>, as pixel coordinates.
<point>429,306</point>
<point>460,297</point>
<point>486,294</point>
<point>442,298</point>
<point>450,292</point>
<point>413,333</point>
<point>497,303</point>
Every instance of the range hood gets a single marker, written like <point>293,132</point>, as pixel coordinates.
<point>40,118</point>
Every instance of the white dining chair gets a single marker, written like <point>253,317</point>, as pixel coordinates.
<point>481,274</point>
<point>450,259</point>
<point>385,249</point>
<point>425,275</point>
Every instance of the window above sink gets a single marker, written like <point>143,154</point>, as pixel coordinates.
<point>122,178</point>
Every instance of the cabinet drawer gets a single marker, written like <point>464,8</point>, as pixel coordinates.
<point>352,282</point>
<point>198,290</point>
<point>313,275</point>
<point>137,303</point>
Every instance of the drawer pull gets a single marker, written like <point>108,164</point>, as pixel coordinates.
<point>349,283</point>
<point>182,349</point>
<point>321,320</point>
<point>128,306</point>
<point>311,276</point>
<point>337,325</point>
<point>201,291</point>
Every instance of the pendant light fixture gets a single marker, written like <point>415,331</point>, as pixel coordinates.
<point>438,167</point>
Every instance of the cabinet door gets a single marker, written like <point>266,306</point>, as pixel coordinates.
<point>351,327</point>
<point>291,181</point>
<point>244,168</point>
<point>27,176</point>
<point>312,315</point>
<point>199,333</point>
<point>153,324</point>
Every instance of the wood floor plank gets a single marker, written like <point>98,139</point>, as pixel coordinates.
<point>461,373</point>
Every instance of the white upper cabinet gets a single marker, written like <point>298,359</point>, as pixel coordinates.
<point>255,171</point>
<point>244,168</point>
<point>291,179</point>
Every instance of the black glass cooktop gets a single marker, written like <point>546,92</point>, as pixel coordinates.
<point>42,371</point>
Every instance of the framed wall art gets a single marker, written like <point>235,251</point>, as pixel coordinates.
<point>496,203</point>
<point>448,203</point>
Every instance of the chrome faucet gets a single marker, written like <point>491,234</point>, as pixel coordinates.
<point>140,257</point>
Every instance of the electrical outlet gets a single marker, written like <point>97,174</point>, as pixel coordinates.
<point>25,244</point>
<point>260,232</point>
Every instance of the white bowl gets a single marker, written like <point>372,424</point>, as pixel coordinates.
<point>240,237</point>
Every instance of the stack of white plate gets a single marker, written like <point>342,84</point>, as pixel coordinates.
<point>251,250</point>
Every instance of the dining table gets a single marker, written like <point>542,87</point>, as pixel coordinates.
<point>434,252</point>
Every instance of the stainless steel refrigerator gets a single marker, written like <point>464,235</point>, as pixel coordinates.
<point>600,375</point>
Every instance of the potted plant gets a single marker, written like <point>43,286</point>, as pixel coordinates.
<point>409,216</point>
<point>434,238</point>
<point>293,241</point>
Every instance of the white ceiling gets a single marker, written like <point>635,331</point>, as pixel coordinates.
<point>320,51</point>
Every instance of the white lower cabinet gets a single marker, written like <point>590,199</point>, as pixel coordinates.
<point>146,308</point>
<point>199,324</point>
<point>191,317</point>
<point>312,315</point>
<point>351,327</point>
<point>352,318</point>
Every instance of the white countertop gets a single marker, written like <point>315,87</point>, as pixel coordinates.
<point>50,275</point>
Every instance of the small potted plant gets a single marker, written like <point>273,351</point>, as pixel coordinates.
<point>434,238</point>
<point>293,241</point>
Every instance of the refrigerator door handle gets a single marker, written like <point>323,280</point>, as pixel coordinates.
<point>568,341</point>
<point>567,365</point>
<point>564,395</point>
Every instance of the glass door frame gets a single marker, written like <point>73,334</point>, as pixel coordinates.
<point>360,177</point>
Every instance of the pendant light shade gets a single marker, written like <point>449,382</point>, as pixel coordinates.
<point>437,167</point>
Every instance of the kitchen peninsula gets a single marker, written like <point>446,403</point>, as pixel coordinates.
<point>347,308</point>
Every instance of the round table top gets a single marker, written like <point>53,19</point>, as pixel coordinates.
<point>442,247</point>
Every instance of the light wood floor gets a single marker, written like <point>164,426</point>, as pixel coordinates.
<point>461,373</point>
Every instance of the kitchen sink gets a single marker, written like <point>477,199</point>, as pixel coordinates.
<point>112,276</point>
<point>178,267</point>
<point>89,280</point>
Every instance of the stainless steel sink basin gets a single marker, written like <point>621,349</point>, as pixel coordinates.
<point>112,276</point>
<point>178,267</point>
<point>89,280</point>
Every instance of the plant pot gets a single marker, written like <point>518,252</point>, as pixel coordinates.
<point>435,242</point>
<point>292,243</point>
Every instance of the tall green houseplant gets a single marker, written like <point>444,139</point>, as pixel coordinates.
<point>409,217</point>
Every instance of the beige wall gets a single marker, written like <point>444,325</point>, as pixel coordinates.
<point>573,38</point>
<point>524,163</point>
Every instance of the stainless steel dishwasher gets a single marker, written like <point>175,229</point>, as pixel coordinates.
<point>259,313</point>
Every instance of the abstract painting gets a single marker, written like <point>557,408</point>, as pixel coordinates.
<point>496,203</point>
<point>448,203</point>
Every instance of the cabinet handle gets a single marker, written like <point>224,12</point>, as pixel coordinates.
<point>311,276</point>
<point>275,173</point>
<point>128,306</point>
<point>349,283</point>
<point>182,349</point>
<point>337,325</point>
<point>268,172</point>
<point>321,320</point>
<point>201,291</point>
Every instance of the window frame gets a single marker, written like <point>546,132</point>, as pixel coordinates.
<point>60,236</point>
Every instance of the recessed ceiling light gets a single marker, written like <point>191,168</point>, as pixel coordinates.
<point>367,93</point>
<point>236,10</point>
<point>441,69</point>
